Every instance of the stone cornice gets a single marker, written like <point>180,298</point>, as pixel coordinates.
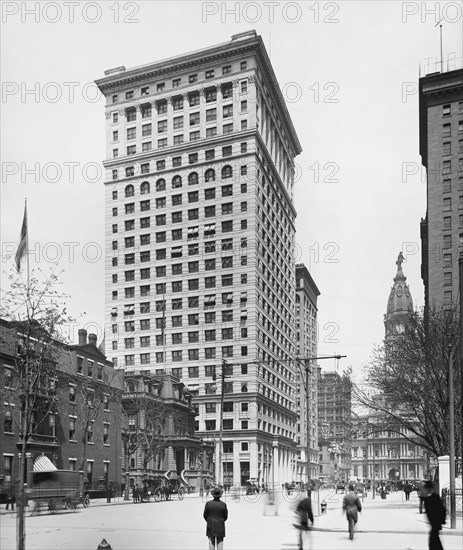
<point>201,58</point>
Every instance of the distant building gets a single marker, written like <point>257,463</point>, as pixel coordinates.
<point>382,454</point>
<point>334,424</point>
<point>200,244</point>
<point>80,428</point>
<point>385,454</point>
<point>306,338</point>
<point>158,433</point>
<point>441,150</point>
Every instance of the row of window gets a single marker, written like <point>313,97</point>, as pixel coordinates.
<point>177,355</point>
<point>177,161</point>
<point>177,251</point>
<point>192,337</point>
<point>177,234</point>
<point>194,119</point>
<point>179,139</point>
<point>227,424</point>
<point>177,82</point>
<point>177,320</point>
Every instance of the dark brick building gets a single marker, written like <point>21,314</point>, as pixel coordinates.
<point>78,426</point>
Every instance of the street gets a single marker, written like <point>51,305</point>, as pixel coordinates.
<point>389,524</point>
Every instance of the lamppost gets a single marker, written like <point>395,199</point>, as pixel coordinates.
<point>307,365</point>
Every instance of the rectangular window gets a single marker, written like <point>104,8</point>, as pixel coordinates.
<point>193,372</point>
<point>210,154</point>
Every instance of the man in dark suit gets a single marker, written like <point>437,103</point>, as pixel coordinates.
<point>435,510</point>
<point>215,514</point>
<point>351,505</point>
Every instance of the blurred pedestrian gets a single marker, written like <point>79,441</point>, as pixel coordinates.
<point>422,495</point>
<point>11,496</point>
<point>435,510</point>
<point>407,490</point>
<point>351,505</point>
<point>109,493</point>
<point>305,515</point>
<point>215,514</point>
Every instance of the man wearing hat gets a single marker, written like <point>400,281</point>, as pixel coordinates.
<point>215,514</point>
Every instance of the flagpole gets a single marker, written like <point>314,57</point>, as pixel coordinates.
<point>27,247</point>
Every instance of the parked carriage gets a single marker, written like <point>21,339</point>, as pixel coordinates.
<point>167,487</point>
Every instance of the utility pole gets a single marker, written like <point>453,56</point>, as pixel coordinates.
<point>222,391</point>
<point>453,516</point>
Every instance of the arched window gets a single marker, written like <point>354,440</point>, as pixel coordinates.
<point>209,175</point>
<point>129,191</point>
<point>161,185</point>
<point>244,388</point>
<point>193,178</point>
<point>145,188</point>
<point>227,172</point>
<point>176,182</point>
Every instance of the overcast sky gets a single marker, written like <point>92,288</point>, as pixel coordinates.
<point>349,72</point>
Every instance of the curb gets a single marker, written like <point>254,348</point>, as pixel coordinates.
<point>390,531</point>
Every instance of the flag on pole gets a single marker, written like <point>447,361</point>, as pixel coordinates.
<point>22,242</point>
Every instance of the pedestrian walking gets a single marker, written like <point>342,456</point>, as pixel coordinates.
<point>215,514</point>
<point>422,495</point>
<point>435,510</point>
<point>407,490</point>
<point>109,493</point>
<point>351,506</point>
<point>11,496</point>
<point>304,515</point>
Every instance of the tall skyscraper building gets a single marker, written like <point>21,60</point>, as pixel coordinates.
<point>335,424</point>
<point>441,150</point>
<point>307,373</point>
<point>200,270</point>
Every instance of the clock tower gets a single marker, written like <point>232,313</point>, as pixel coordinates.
<point>399,305</point>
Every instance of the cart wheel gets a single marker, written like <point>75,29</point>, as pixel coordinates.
<point>86,502</point>
<point>157,495</point>
<point>181,493</point>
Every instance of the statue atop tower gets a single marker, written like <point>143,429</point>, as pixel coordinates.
<point>400,303</point>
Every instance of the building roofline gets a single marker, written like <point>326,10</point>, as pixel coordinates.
<point>242,42</point>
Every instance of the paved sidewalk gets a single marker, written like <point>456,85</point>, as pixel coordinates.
<point>390,515</point>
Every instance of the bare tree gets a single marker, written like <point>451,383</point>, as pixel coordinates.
<point>411,375</point>
<point>151,421</point>
<point>35,315</point>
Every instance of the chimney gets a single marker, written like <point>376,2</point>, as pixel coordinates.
<point>82,336</point>
<point>92,339</point>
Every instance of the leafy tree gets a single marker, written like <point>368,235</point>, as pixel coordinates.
<point>35,317</point>
<point>411,374</point>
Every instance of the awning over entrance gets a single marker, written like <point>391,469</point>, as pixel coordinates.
<point>44,464</point>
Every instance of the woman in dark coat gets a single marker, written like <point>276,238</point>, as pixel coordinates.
<point>215,514</point>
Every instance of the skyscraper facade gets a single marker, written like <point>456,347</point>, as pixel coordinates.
<point>441,150</point>
<point>307,373</point>
<point>200,271</point>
